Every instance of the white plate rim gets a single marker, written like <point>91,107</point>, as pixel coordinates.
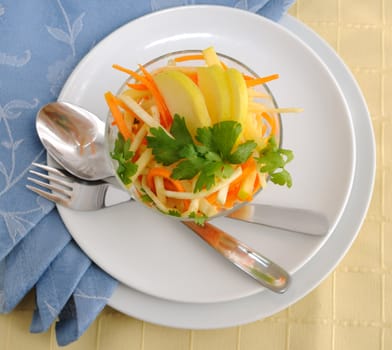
<point>264,304</point>
<point>255,290</point>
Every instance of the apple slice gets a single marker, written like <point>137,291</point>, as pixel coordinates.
<point>238,95</point>
<point>183,97</point>
<point>215,89</point>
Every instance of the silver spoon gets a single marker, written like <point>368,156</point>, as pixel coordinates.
<point>74,137</point>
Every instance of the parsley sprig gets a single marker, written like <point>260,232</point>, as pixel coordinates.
<point>210,158</point>
<point>273,161</point>
<point>126,168</point>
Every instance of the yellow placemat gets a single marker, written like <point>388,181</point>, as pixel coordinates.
<point>352,308</point>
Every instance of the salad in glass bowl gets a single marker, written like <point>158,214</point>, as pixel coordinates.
<point>195,134</point>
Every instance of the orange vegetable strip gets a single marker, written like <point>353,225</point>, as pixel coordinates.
<point>117,115</point>
<point>224,66</point>
<point>139,87</point>
<point>259,81</point>
<point>257,184</point>
<point>193,76</point>
<point>232,195</point>
<point>130,72</point>
<point>165,114</point>
<point>247,168</point>
<point>139,123</point>
<point>167,118</point>
<point>271,121</point>
<point>212,198</point>
<point>165,174</point>
<point>189,58</point>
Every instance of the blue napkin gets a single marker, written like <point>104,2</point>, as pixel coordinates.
<point>40,44</point>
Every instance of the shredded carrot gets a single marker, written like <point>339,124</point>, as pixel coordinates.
<point>193,76</point>
<point>212,198</point>
<point>259,81</point>
<point>149,83</point>
<point>232,194</point>
<point>139,87</point>
<point>166,117</point>
<point>271,121</point>
<point>117,115</point>
<point>165,174</point>
<point>257,184</point>
<point>120,103</point>
<point>189,58</point>
<point>224,66</point>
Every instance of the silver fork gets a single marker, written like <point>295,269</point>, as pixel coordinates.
<point>64,189</point>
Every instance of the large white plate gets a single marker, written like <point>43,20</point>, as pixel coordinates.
<point>264,304</point>
<point>160,257</point>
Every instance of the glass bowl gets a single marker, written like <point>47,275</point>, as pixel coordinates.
<point>136,189</point>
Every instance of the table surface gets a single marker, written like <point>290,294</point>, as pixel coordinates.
<point>352,308</point>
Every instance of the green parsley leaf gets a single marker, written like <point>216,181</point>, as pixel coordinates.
<point>209,158</point>
<point>146,198</point>
<point>242,153</point>
<point>273,161</point>
<point>188,169</point>
<point>282,178</point>
<point>126,168</point>
<point>174,212</point>
<point>220,138</point>
<point>168,150</point>
<point>198,218</point>
<point>207,175</point>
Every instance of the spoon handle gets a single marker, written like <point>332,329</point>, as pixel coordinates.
<point>266,272</point>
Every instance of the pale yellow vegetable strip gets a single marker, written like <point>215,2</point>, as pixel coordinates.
<point>263,179</point>
<point>139,111</point>
<point>201,194</point>
<point>155,113</point>
<point>141,163</point>
<point>193,207</point>
<point>138,138</point>
<point>256,107</point>
<point>128,119</point>
<point>222,195</point>
<point>285,110</point>
<point>207,208</point>
<point>160,188</point>
<point>211,57</point>
<point>153,197</point>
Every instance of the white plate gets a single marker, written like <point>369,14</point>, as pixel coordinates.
<point>264,304</point>
<point>160,257</point>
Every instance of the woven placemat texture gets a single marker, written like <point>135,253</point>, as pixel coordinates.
<point>352,308</point>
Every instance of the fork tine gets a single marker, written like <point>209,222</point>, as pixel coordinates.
<point>50,187</point>
<point>49,169</point>
<point>51,178</point>
<point>50,196</point>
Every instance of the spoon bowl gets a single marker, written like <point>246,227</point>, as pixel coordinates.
<point>75,138</point>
